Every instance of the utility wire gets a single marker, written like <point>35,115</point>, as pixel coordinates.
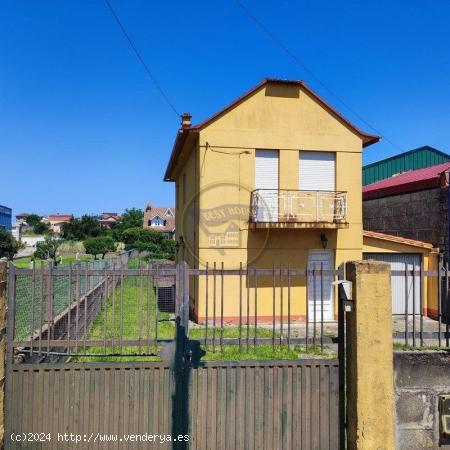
<point>140,58</point>
<point>294,57</point>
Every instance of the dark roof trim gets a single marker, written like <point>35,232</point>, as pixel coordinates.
<point>367,138</point>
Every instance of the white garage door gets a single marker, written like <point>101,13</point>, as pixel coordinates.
<point>402,289</point>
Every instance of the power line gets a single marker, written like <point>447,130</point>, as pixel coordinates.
<point>140,58</point>
<point>294,57</point>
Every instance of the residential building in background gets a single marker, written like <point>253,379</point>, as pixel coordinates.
<point>413,205</point>
<point>22,217</point>
<point>418,158</point>
<point>56,221</point>
<point>161,218</point>
<point>108,219</point>
<point>5,218</point>
<point>272,180</point>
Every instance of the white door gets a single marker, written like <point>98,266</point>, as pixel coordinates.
<point>402,290</point>
<point>317,171</point>
<point>266,180</point>
<point>320,289</point>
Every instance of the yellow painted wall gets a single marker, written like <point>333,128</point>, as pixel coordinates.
<point>278,117</point>
<point>430,258</point>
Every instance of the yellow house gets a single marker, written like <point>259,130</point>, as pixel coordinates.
<point>271,180</point>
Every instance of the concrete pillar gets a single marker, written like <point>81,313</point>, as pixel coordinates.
<point>3,272</point>
<point>370,358</point>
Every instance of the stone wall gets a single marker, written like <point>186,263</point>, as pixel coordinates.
<point>419,379</point>
<point>419,215</point>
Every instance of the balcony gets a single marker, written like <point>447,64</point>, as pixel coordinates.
<point>273,208</point>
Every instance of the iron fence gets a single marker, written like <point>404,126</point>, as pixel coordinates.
<point>127,308</point>
<point>425,321</point>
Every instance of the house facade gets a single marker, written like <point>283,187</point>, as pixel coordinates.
<point>160,218</point>
<point>280,169</point>
<point>56,221</point>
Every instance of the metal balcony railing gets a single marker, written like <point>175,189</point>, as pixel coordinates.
<point>280,206</point>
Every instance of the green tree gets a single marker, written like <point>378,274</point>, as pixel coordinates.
<point>82,228</point>
<point>48,249</point>
<point>33,219</point>
<point>131,218</point>
<point>41,228</point>
<point>8,245</point>
<point>100,245</point>
<point>155,242</point>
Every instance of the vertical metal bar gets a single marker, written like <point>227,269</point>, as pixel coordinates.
<point>77,308</point>
<point>207,304</point>
<point>406,304</point>
<point>122,280</point>
<point>256,306</point>
<point>342,368</point>
<point>321,306</point>
<point>49,305</point>
<point>41,308</point>
<point>105,311</point>
<point>307,309</point>
<point>69,306</point>
<point>141,296</point>
<point>33,289</point>
<point>86,296</point>
<point>149,295</point>
<point>221,305</point>
<point>440,297</point>
<point>315,305</point>
<point>447,305</point>
<point>240,306</point>
<point>156,308</point>
<point>422,279</point>
<point>289,307</point>
<point>273,305</point>
<point>281,305</point>
<point>11,318</point>
<point>247,280</point>
<point>414,305</point>
<point>214,308</point>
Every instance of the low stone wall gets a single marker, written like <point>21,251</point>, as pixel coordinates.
<point>419,379</point>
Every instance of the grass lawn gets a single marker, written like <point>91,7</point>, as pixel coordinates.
<point>25,262</point>
<point>141,319</point>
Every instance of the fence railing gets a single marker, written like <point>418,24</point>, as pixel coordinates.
<point>282,205</point>
<point>425,300</point>
<point>115,310</point>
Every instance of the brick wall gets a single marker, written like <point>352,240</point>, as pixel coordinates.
<point>419,215</point>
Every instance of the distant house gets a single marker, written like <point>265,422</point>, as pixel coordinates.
<point>108,219</point>
<point>413,205</point>
<point>56,221</point>
<point>5,217</point>
<point>22,217</point>
<point>418,158</point>
<point>161,218</point>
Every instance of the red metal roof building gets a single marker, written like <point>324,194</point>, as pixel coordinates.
<point>413,205</point>
<point>412,181</point>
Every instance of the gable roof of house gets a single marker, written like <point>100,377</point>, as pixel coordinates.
<point>397,239</point>
<point>414,180</point>
<point>161,211</point>
<point>183,133</point>
<point>59,217</point>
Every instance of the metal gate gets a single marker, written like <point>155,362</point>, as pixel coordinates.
<point>66,389</point>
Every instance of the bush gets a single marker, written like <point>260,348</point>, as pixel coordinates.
<point>145,239</point>
<point>99,246</point>
<point>8,245</point>
<point>48,249</point>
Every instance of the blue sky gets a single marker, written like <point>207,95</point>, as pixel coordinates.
<point>83,130</point>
